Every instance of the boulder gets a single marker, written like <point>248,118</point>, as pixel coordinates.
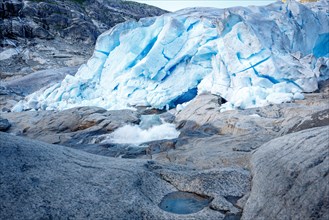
<point>4,124</point>
<point>290,177</point>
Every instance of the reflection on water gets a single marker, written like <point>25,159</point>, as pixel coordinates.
<point>183,202</point>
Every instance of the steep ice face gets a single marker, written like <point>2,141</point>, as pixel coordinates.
<point>250,56</point>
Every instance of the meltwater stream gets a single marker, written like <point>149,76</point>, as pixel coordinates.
<point>151,128</point>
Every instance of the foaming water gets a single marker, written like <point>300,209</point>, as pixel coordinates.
<point>134,134</point>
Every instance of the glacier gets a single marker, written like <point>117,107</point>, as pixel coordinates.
<point>250,56</point>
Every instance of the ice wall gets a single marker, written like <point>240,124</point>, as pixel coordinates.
<point>250,56</point>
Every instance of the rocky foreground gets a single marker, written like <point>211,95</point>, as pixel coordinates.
<point>261,163</point>
<point>269,162</point>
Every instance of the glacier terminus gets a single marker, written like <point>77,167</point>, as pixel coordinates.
<point>251,57</point>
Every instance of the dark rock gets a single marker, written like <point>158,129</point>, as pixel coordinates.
<point>4,124</point>
<point>167,117</point>
<point>40,29</point>
<point>113,150</point>
<point>10,8</point>
<point>81,32</point>
<point>147,111</point>
<point>155,147</point>
<point>290,177</point>
<point>146,150</point>
<point>41,33</point>
<point>233,216</point>
<point>192,129</point>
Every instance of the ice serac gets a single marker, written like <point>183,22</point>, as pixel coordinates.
<point>250,56</point>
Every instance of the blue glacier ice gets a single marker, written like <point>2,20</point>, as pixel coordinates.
<point>251,56</point>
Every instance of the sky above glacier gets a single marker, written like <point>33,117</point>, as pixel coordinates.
<point>174,5</point>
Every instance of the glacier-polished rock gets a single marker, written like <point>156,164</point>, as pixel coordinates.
<point>250,56</point>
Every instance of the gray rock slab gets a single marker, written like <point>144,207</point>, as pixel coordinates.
<point>214,151</point>
<point>43,181</point>
<point>30,83</point>
<point>290,177</point>
<point>203,113</point>
<point>76,126</point>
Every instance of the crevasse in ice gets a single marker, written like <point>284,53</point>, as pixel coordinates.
<point>250,56</point>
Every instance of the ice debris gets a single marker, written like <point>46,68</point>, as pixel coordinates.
<point>250,56</point>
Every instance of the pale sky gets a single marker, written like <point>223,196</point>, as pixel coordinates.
<point>174,5</point>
